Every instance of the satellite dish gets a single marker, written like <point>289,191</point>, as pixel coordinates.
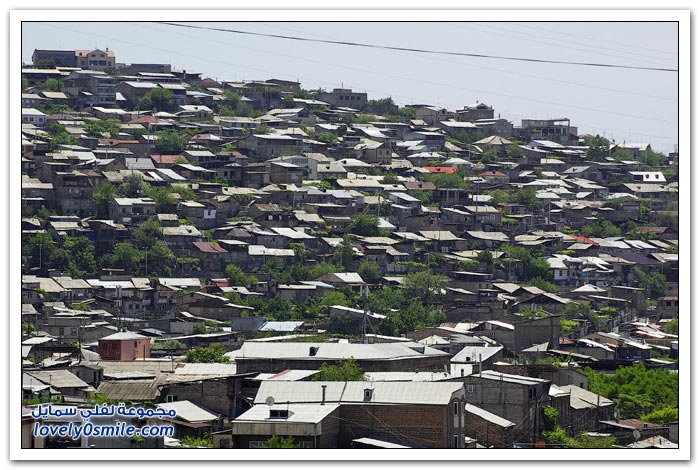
<point>636,434</point>
<point>269,401</point>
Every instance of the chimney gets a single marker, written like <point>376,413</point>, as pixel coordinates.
<point>323,394</point>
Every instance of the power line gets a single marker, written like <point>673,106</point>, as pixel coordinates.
<point>425,51</point>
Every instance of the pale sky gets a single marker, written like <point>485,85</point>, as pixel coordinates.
<point>622,104</point>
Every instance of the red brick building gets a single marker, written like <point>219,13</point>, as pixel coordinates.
<point>124,346</point>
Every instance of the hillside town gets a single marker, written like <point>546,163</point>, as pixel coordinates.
<point>275,266</point>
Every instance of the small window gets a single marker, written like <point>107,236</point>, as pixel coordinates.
<point>471,388</point>
<point>456,408</point>
<point>456,438</point>
<point>171,398</point>
<point>368,394</point>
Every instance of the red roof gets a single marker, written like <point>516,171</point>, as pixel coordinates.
<point>143,120</point>
<point>209,247</point>
<point>440,169</point>
<point>582,239</point>
<point>166,159</point>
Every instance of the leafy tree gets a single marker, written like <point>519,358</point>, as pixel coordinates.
<point>262,129</point>
<point>169,345</point>
<point>199,329</point>
<point>446,180</point>
<point>655,284</point>
<point>598,149</point>
<point>622,154</point>
<point>82,256</point>
<point>567,326</point>
<point>581,311</point>
<point>170,142</point>
<point>125,256</point>
<point>237,277</point>
<point>665,415</point>
<point>528,197</point>
<point>653,160</point>
<point>424,285</point>
<point>163,197</point>
<point>347,371</point>
<point>636,391</point>
<point>514,151</point>
<point>344,253</point>
<point>214,353</point>
<point>327,137</point>
<point>146,235</point>
<point>365,225</point>
<point>25,82</point>
<point>278,442</point>
<point>197,442</point>
<point>159,99</point>
<point>369,271</point>
<point>543,284</point>
<point>97,127</point>
<point>132,185</point>
<point>51,84</point>
<point>671,327</point>
<point>102,197</point>
<point>602,228</point>
<point>159,258</point>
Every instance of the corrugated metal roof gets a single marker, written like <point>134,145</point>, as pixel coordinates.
<point>297,414</point>
<point>188,411</point>
<point>61,378</point>
<point>134,390</point>
<point>490,417</point>
<point>581,398</point>
<point>413,393</point>
<point>333,351</point>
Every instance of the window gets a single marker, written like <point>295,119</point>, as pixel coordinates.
<point>171,398</point>
<point>456,408</point>
<point>456,438</point>
<point>471,388</point>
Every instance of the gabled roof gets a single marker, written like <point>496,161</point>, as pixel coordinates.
<point>410,393</point>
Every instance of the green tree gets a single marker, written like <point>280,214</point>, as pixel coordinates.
<point>636,391</point>
<point>654,284</point>
<point>665,415</point>
<point>327,137</point>
<point>132,185</point>
<point>147,234</point>
<point>425,285</point>
<point>159,258</point>
<point>102,197</point>
<point>82,256</point>
<point>528,197</point>
<point>159,99</point>
<point>344,253</point>
<point>365,225</point>
<point>51,84</point>
<point>515,151</point>
<point>214,353</point>
<point>543,284</point>
<point>446,180</point>
<point>125,256</point>
<point>347,371</point>
<point>671,327</point>
<point>598,149</point>
<point>97,127</point>
<point>170,142</point>
<point>369,271</point>
<point>199,329</point>
<point>163,197</point>
<point>237,277</point>
<point>279,442</point>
